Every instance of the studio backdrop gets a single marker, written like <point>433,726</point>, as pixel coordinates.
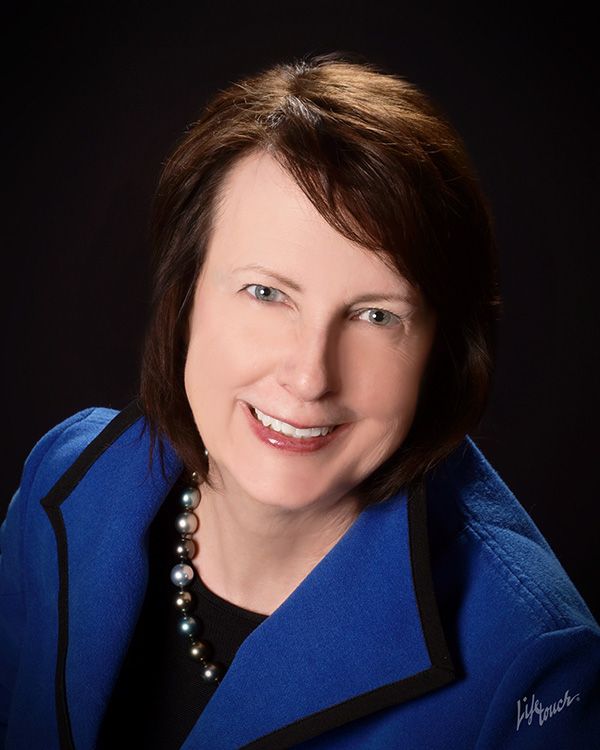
<point>95,99</point>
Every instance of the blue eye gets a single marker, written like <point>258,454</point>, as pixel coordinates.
<point>263,293</point>
<point>376,316</point>
<point>381,318</point>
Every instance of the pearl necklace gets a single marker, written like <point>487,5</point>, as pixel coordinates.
<point>182,575</point>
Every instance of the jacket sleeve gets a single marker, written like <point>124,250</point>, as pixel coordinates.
<point>13,604</point>
<point>549,697</point>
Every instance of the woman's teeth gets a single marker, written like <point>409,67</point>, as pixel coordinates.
<point>287,429</point>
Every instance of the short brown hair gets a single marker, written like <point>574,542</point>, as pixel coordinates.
<point>384,167</point>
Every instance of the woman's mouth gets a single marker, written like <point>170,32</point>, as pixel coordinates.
<point>290,430</point>
<point>284,436</point>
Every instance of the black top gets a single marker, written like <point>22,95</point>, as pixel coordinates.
<point>159,693</point>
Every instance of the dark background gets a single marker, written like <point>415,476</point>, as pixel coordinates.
<point>95,98</point>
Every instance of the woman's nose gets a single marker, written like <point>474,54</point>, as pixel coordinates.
<point>308,368</point>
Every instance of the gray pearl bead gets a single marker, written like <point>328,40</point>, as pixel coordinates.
<point>200,651</point>
<point>186,548</point>
<point>189,499</point>
<point>212,672</point>
<point>187,626</point>
<point>182,574</point>
<point>186,523</point>
<point>184,600</point>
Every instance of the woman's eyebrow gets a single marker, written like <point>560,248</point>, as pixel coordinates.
<point>268,272</point>
<point>371,297</point>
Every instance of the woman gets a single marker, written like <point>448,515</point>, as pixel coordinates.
<point>288,539</point>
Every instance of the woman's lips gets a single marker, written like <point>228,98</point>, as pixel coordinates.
<point>284,442</point>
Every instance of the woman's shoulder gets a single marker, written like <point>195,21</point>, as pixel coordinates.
<point>517,627</point>
<point>509,563</point>
<point>50,457</point>
<point>60,446</point>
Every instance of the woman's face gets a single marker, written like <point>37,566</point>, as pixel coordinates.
<point>294,319</point>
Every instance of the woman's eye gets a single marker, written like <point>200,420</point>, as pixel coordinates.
<point>263,293</point>
<point>381,318</point>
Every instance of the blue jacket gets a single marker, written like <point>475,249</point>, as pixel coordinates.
<point>439,620</point>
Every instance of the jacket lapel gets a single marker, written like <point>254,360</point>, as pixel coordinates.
<point>359,634</point>
<point>100,511</point>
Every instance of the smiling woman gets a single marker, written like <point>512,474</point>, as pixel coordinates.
<point>290,170</point>
<point>322,558</point>
<point>301,358</point>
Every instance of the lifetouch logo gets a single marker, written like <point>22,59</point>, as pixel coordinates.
<point>527,709</point>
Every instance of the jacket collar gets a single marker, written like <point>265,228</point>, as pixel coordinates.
<point>360,633</point>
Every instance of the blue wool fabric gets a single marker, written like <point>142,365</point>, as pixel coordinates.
<point>440,619</point>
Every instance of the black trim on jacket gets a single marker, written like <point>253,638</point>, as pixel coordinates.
<point>438,674</point>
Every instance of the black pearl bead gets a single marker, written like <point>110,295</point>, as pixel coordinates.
<point>182,574</point>
<point>200,651</point>
<point>187,523</point>
<point>188,626</point>
<point>190,498</point>
<point>213,672</point>
<point>184,600</point>
<point>185,549</point>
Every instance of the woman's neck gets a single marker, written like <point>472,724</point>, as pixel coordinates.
<point>254,555</point>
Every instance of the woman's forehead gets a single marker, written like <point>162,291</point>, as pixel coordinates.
<point>259,196</point>
<point>264,219</point>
